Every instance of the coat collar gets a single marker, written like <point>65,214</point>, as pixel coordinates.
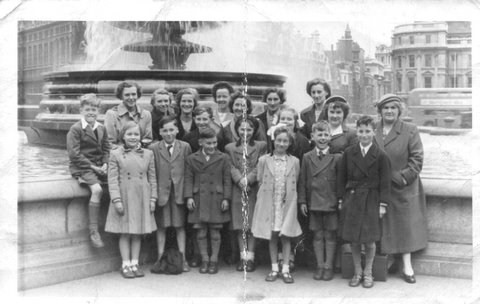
<point>89,131</point>
<point>271,164</point>
<point>319,165</point>
<point>394,132</point>
<point>200,157</point>
<point>122,110</point>
<point>164,151</point>
<point>363,163</point>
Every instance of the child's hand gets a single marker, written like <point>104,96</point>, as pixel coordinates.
<point>153,201</point>
<point>119,208</point>
<point>243,183</point>
<point>304,209</point>
<point>382,210</point>
<point>340,204</point>
<point>191,204</point>
<point>104,168</point>
<point>224,205</point>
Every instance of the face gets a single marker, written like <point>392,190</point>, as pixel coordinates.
<point>169,132</point>
<point>389,112</point>
<point>321,139</point>
<point>273,102</point>
<point>129,97</point>
<point>239,106</point>
<point>287,118</point>
<point>365,134</point>
<point>89,113</point>
<point>202,120</point>
<point>335,115</point>
<point>161,102</point>
<point>187,103</point>
<point>318,94</point>
<point>222,97</point>
<point>245,131</point>
<point>209,145</point>
<point>281,143</point>
<point>132,137</point>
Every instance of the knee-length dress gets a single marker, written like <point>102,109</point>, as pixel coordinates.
<point>131,178</point>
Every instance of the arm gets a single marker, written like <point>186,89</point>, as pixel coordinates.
<point>236,174</point>
<point>252,175</point>
<point>227,184</point>
<point>74,153</point>
<point>342,176</point>
<point>415,157</point>
<point>385,175</point>
<point>260,168</point>
<point>302,188</point>
<point>112,133</point>
<point>147,136</point>
<point>152,178</point>
<point>113,179</point>
<point>261,134</point>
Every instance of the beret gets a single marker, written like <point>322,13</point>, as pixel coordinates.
<point>388,98</point>
<point>335,98</point>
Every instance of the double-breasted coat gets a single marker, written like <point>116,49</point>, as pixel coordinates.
<point>364,182</point>
<point>263,214</point>
<point>317,186</point>
<point>132,179</point>
<point>405,224</point>
<point>208,183</point>
<point>238,164</point>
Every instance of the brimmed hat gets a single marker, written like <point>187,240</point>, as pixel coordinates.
<point>335,98</point>
<point>389,98</point>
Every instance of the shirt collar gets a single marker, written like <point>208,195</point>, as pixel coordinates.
<point>337,130</point>
<point>85,124</point>
<point>172,144</point>
<point>122,110</point>
<point>277,157</point>
<point>365,148</point>
<point>324,151</point>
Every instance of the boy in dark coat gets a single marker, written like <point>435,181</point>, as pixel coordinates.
<point>317,195</point>
<point>208,189</point>
<point>364,185</point>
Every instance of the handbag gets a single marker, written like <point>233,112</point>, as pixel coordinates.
<point>171,262</point>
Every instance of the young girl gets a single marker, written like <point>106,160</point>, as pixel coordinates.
<point>133,191</point>
<point>275,214</point>
<point>244,156</point>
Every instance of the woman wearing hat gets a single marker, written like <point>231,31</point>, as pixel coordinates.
<point>405,223</point>
<point>319,90</point>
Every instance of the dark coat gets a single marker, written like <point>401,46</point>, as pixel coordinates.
<point>85,149</point>
<point>308,117</point>
<point>363,184</point>
<point>339,142</point>
<point>317,186</point>
<point>193,136</point>
<point>156,117</point>
<point>232,137</point>
<point>264,122</point>
<point>208,183</point>
<point>300,146</point>
<point>181,131</point>
<point>405,224</point>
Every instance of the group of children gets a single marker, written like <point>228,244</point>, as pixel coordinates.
<point>166,185</point>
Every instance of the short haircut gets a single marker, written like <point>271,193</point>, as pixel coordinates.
<point>281,130</point>
<point>203,109</point>
<point>337,104</point>
<point>89,99</point>
<point>291,110</point>
<point>221,85</point>
<point>253,122</point>
<point>316,81</point>
<point>238,95</point>
<point>129,125</point>
<point>207,133</point>
<point>127,84</point>
<point>166,120</point>
<point>278,91</point>
<point>160,91</point>
<point>366,121</point>
<point>191,91</point>
<point>321,126</point>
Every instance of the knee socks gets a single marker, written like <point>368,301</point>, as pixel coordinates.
<point>369,256</point>
<point>318,247</point>
<point>215,241</point>
<point>93,215</point>
<point>357,258</point>
<point>330,248</point>
<point>202,244</point>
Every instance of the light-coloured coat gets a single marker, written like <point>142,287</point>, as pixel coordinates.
<point>263,214</point>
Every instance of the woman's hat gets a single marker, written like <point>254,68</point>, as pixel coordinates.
<point>335,98</point>
<point>388,98</point>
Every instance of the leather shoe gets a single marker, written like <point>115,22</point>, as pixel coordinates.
<point>203,268</point>
<point>137,271</point>
<point>194,262</point>
<point>409,278</point>
<point>186,268</point>
<point>272,276</point>
<point>240,265</point>
<point>327,274</point>
<point>318,275</point>
<point>291,266</point>
<point>250,267</point>
<point>355,281</point>
<point>96,240</point>
<point>367,281</point>
<point>213,268</point>
<point>127,272</point>
<point>287,277</point>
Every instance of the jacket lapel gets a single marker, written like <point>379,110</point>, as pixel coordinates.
<point>320,165</point>
<point>89,131</point>
<point>100,131</point>
<point>371,156</point>
<point>394,132</point>
<point>175,152</point>
<point>359,160</point>
<point>215,157</point>
<point>164,151</point>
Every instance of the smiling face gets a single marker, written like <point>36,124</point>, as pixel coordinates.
<point>245,131</point>
<point>389,113</point>
<point>169,132</point>
<point>161,102</point>
<point>335,115</point>
<point>321,139</point>
<point>209,145</point>
<point>273,102</point>
<point>132,137</point>
<point>202,120</point>
<point>89,113</point>
<point>318,94</point>
<point>365,134</point>
<point>239,107</point>
<point>287,118</point>
<point>129,97</point>
<point>281,143</point>
<point>187,103</point>
<point>222,97</point>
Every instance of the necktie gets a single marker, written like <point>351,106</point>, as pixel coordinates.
<point>169,148</point>
<point>320,155</point>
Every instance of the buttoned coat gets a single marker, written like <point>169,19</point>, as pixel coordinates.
<point>317,186</point>
<point>405,224</point>
<point>308,117</point>
<point>364,182</point>
<point>208,183</point>
<point>170,170</point>
<point>238,163</point>
<point>263,214</point>
<point>132,179</point>
<point>86,149</point>
<point>339,142</point>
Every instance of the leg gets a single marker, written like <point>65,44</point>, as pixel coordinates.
<point>408,274</point>
<point>242,249</point>
<point>250,257</point>
<point>203,247</point>
<point>273,250</point>
<point>180,231</point>
<point>318,248</point>
<point>330,246</point>
<point>357,263</point>
<point>215,239</point>
<point>124,246</point>
<point>160,242</point>
<point>93,215</point>
<point>286,247</point>
<point>369,256</point>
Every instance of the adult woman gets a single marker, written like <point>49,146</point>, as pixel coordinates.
<point>274,98</point>
<point>221,92</point>
<point>161,102</point>
<point>319,90</point>
<point>240,105</point>
<point>187,101</point>
<point>405,224</point>
<point>203,118</point>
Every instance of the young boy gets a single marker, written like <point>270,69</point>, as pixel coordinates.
<point>317,195</point>
<point>364,185</point>
<point>170,155</point>
<point>208,189</point>
<point>88,148</point>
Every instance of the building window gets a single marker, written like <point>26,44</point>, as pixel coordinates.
<point>469,60</point>
<point>411,83</point>
<point>411,61</point>
<point>428,38</point>
<point>453,82</point>
<point>469,81</point>
<point>399,40</point>
<point>452,57</point>
<point>428,81</point>
<point>412,39</point>
<point>399,83</point>
<point>399,61</point>
<point>428,60</point>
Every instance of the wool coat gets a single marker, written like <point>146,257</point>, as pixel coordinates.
<point>339,142</point>
<point>405,224</point>
<point>132,179</point>
<point>86,149</point>
<point>308,117</point>
<point>263,214</point>
<point>208,183</point>
<point>263,119</point>
<point>238,164</point>
<point>364,182</point>
<point>170,170</point>
<point>300,146</point>
<point>317,186</point>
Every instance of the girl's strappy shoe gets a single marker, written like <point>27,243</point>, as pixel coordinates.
<point>127,272</point>
<point>272,276</point>
<point>287,277</point>
<point>355,281</point>
<point>137,272</point>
